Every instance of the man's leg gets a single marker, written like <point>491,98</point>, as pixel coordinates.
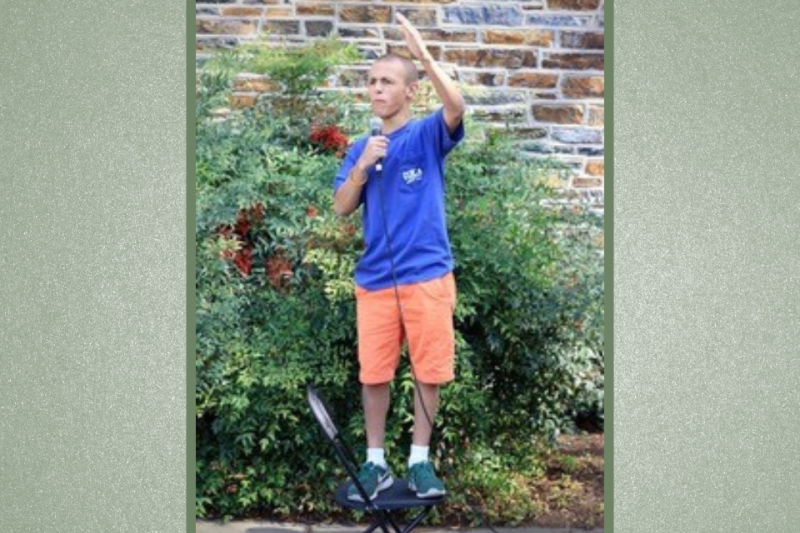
<point>379,338</point>
<point>421,476</point>
<point>374,475</point>
<point>376,407</point>
<point>425,412</point>
<point>432,348</point>
<point>431,339</point>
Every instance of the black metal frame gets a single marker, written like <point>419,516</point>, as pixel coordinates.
<point>399,498</point>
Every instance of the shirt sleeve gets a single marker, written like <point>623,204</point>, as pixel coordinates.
<point>443,140</point>
<point>347,165</point>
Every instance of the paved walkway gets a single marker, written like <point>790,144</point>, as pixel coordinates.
<point>281,527</point>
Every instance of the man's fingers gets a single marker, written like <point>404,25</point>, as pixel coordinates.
<point>379,147</point>
<point>380,141</point>
<point>410,34</point>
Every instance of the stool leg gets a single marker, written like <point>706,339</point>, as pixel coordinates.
<point>380,522</point>
<point>416,521</point>
<point>393,523</point>
<point>377,523</point>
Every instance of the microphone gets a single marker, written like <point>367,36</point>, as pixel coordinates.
<point>376,127</point>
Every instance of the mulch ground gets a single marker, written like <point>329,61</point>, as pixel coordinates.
<point>571,493</point>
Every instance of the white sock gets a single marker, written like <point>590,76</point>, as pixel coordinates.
<point>376,456</point>
<point>419,454</point>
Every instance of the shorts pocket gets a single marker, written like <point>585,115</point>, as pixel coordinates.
<point>442,290</point>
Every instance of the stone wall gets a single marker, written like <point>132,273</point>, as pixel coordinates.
<point>536,64</point>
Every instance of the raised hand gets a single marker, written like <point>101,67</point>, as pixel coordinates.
<point>413,39</point>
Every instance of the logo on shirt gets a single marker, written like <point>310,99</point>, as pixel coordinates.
<point>413,175</point>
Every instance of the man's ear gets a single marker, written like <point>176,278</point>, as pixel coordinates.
<point>411,90</point>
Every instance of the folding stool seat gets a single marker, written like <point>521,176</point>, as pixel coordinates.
<point>397,498</point>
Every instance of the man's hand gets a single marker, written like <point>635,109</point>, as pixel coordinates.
<point>348,197</point>
<point>446,89</point>
<point>375,149</point>
<point>413,39</point>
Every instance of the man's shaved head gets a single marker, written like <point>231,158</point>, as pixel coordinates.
<point>411,74</point>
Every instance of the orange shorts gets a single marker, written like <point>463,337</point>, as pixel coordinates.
<point>428,313</point>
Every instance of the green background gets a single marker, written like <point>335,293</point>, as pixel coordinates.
<point>706,276</point>
<point>93,267</point>
<point>93,240</point>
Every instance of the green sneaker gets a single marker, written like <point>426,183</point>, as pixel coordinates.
<point>423,480</point>
<point>373,478</point>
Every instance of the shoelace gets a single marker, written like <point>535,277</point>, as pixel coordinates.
<point>425,472</point>
<point>367,471</point>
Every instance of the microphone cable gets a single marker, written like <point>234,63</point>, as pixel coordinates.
<point>379,174</point>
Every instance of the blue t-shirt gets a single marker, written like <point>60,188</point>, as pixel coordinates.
<point>413,201</point>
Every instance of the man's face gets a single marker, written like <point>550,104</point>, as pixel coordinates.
<point>389,92</point>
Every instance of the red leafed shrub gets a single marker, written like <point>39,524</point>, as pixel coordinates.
<point>257,212</point>
<point>244,260</point>
<point>329,138</point>
<point>240,232</point>
<point>279,270</point>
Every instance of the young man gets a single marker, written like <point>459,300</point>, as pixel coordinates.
<point>406,200</point>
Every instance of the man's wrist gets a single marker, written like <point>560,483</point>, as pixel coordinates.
<point>357,176</point>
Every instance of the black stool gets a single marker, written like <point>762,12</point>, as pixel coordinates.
<point>395,499</point>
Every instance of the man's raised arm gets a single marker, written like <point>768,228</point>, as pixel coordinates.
<point>446,88</point>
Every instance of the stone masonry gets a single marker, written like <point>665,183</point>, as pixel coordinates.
<point>537,65</point>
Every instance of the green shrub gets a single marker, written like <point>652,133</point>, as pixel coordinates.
<point>275,308</point>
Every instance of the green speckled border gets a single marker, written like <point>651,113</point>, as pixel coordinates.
<point>191,438</point>
<point>706,277</point>
<point>93,267</point>
<point>608,493</point>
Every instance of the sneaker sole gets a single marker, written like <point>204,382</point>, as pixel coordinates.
<point>431,493</point>
<point>387,482</point>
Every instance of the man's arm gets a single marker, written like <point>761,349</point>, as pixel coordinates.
<point>348,196</point>
<point>446,89</point>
